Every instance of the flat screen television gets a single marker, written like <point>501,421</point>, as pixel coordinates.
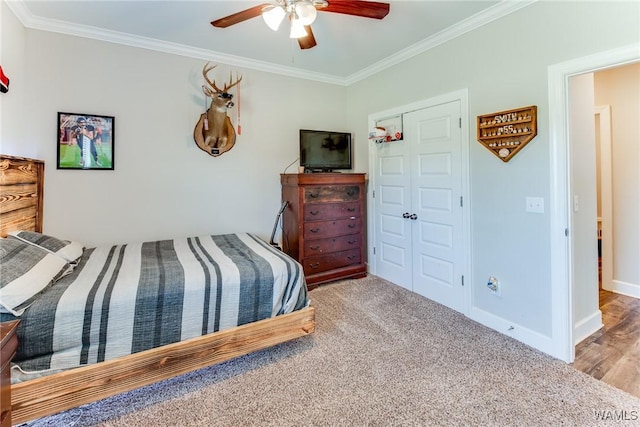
<point>325,151</point>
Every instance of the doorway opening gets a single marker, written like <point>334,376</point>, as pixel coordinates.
<point>611,350</point>
<point>561,203</point>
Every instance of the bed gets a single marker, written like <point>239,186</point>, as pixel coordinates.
<point>119,317</point>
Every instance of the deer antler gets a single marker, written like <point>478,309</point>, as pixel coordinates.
<point>226,88</point>
<point>212,83</point>
<point>205,70</point>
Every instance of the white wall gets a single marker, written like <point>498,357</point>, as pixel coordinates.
<point>504,65</point>
<point>620,88</point>
<point>163,185</point>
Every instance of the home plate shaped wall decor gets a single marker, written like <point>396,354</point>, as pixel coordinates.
<point>506,132</point>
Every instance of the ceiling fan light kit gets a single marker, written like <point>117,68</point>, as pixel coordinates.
<point>302,13</point>
<point>306,12</point>
<point>297,29</point>
<point>273,16</point>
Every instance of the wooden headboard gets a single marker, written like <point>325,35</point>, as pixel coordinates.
<point>21,194</point>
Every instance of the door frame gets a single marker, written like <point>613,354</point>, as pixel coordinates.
<point>562,287</point>
<point>462,96</point>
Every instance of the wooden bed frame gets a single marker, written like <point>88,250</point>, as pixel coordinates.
<point>21,199</point>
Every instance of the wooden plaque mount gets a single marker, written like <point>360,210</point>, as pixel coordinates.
<point>506,132</point>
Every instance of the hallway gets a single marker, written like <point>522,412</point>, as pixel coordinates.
<point>612,354</point>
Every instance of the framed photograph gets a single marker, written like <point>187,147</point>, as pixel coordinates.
<point>85,141</point>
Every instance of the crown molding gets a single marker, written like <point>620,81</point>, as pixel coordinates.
<point>505,7</point>
<point>52,25</point>
<point>499,10</point>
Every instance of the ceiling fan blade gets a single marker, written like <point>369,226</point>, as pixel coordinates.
<point>366,9</point>
<point>238,17</point>
<point>308,41</point>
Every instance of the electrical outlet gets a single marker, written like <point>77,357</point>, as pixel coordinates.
<point>534,204</point>
<point>493,285</point>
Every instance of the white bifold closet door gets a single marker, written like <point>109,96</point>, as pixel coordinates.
<point>419,215</point>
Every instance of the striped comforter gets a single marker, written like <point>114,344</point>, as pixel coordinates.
<point>129,298</point>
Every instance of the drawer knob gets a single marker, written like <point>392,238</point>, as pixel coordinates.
<point>351,209</point>
<point>316,265</point>
<point>314,212</point>
<point>352,225</point>
<point>352,242</point>
<point>314,230</point>
<point>313,195</point>
<point>351,257</point>
<point>314,248</point>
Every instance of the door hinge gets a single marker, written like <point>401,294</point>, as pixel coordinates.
<point>460,122</point>
<point>373,194</point>
<point>461,201</point>
<point>462,280</point>
<point>374,250</point>
<point>566,232</point>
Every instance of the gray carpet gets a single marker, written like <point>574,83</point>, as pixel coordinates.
<point>380,356</point>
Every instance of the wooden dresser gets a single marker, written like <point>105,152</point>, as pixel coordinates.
<point>324,224</point>
<point>8,346</point>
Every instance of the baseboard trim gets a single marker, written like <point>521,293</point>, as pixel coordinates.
<point>527,336</point>
<point>624,288</point>
<point>587,326</point>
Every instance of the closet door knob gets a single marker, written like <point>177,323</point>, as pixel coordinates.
<point>406,215</point>
<point>413,217</point>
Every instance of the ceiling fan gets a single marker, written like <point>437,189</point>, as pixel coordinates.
<point>301,13</point>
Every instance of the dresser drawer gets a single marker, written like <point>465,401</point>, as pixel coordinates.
<point>319,212</point>
<point>338,227</point>
<point>330,261</point>
<point>332,244</point>
<point>331,193</point>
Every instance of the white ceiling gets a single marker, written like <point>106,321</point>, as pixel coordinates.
<point>349,47</point>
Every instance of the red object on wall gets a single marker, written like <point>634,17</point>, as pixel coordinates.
<point>4,81</point>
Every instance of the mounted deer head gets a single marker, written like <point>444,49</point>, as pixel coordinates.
<point>214,132</point>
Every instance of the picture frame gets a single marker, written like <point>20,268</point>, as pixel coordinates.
<point>85,141</point>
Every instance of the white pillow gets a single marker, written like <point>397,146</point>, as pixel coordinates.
<point>26,271</point>
<point>69,250</point>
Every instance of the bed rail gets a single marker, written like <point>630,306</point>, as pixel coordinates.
<point>58,392</point>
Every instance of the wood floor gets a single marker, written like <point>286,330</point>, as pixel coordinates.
<point>612,354</point>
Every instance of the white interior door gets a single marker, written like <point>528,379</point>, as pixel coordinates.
<point>392,202</point>
<point>419,218</point>
<point>603,121</point>
<point>435,137</point>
